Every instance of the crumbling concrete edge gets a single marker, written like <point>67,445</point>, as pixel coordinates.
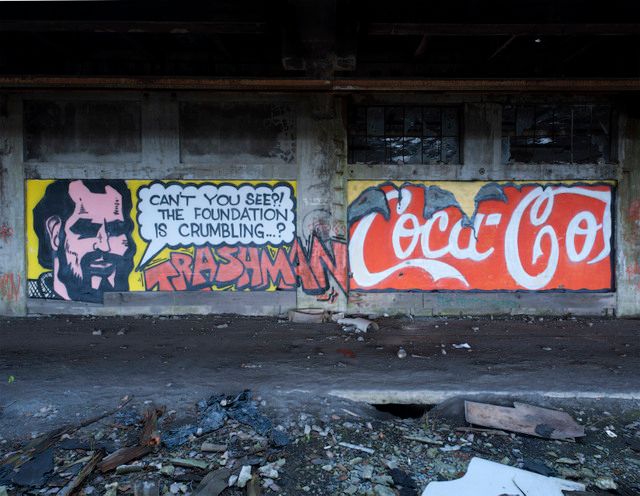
<point>436,396</point>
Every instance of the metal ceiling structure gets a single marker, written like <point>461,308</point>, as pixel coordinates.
<point>323,44</point>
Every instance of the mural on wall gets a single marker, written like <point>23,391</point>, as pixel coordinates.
<point>429,236</point>
<point>83,239</point>
<point>88,237</point>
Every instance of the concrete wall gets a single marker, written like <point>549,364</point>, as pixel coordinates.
<point>628,239</point>
<point>163,135</point>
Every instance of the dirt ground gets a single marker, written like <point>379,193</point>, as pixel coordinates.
<point>305,378</point>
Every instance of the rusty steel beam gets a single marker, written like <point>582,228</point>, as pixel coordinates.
<point>162,83</point>
<point>449,29</point>
<point>320,85</point>
<point>490,85</point>
<point>133,27</point>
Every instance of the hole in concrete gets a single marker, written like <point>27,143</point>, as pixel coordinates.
<point>403,411</point>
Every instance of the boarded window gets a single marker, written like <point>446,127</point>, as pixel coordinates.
<point>237,133</point>
<point>404,135</point>
<point>82,131</point>
<point>570,134</point>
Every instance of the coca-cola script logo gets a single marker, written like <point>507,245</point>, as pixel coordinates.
<point>518,237</point>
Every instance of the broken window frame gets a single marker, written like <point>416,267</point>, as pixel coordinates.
<point>360,141</point>
<point>533,137</point>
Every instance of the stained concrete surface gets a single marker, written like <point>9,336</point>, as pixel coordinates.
<point>62,371</point>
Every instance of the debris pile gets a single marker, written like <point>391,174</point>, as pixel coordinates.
<point>226,445</point>
<point>141,455</point>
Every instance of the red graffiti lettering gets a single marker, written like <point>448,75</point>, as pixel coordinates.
<point>10,286</point>
<point>158,277</point>
<point>6,232</point>
<point>277,271</point>
<point>254,268</point>
<point>230,268</point>
<point>307,280</point>
<point>322,262</point>
<point>204,268</point>
<point>182,263</point>
<point>252,275</point>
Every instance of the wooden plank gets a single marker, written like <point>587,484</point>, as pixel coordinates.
<point>150,435</point>
<point>525,419</point>
<point>45,441</point>
<point>122,456</point>
<point>77,481</point>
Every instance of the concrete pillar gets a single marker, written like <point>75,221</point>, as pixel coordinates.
<point>482,134</point>
<point>628,214</point>
<point>321,193</point>
<point>13,278</point>
<point>160,133</point>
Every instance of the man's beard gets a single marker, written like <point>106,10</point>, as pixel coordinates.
<point>79,285</point>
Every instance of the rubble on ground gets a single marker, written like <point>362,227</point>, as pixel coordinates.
<point>229,445</point>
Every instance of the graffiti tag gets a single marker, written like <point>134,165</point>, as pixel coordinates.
<point>256,268</point>
<point>10,286</point>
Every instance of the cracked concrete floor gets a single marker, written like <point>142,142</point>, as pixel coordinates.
<point>62,369</point>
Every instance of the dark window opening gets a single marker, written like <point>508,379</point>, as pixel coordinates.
<point>404,135</point>
<point>569,134</point>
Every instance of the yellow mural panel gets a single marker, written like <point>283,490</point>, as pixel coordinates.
<point>86,237</point>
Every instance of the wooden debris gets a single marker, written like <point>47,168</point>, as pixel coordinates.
<point>77,481</point>
<point>525,419</point>
<point>149,438</point>
<point>72,463</point>
<point>358,447</point>
<point>150,435</point>
<point>123,456</point>
<point>45,441</point>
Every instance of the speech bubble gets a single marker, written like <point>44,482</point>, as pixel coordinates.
<point>178,215</point>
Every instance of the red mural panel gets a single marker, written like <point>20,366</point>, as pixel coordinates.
<point>416,237</point>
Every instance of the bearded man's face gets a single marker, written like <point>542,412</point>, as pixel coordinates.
<point>94,252</point>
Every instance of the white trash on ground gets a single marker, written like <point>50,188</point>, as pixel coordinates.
<point>486,478</point>
<point>363,325</point>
